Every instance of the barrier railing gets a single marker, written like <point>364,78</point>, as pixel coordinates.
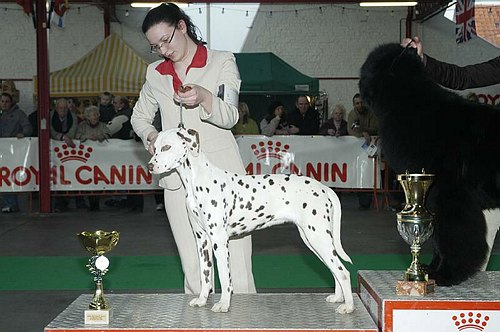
<point>119,166</point>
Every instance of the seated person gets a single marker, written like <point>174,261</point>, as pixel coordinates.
<point>304,117</point>
<point>119,125</point>
<point>63,125</point>
<point>13,123</point>
<point>275,121</point>
<point>361,122</point>
<point>335,125</point>
<point>94,130</point>
<point>246,125</point>
<point>106,108</point>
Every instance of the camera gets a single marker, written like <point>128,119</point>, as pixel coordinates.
<point>355,124</point>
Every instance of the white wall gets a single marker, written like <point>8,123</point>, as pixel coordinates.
<point>331,43</point>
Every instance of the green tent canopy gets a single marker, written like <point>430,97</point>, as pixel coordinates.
<point>266,73</point>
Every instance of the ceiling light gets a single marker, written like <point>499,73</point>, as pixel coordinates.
<point>155,4</point>
<point>145,4</point>
<point>389,4</point>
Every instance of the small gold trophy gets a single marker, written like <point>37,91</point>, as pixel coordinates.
<point>415,226</point>
<point>98,243</point>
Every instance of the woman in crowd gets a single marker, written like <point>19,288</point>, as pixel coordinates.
<point>246,125</point>
<point>94,130</point>
<point>275,122</point>
<point>335,125</point>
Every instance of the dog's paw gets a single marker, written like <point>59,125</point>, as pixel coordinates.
<point>220,307</point>
<point>344,309</point>
<point>335,298</point>
<point>198,302</point>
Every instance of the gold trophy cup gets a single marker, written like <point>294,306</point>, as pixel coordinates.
<point>98,243</point>
<point>415,226</point>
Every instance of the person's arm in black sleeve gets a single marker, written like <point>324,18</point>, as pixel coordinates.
<point>461,78</point>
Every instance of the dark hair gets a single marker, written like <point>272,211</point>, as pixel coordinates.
<point>124,100</point>
<point>270,111</point>
<point>357,95</point>
<point>5,94</point>
<point>171,14</point>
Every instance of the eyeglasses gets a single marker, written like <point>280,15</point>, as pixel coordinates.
<point>157,48</point>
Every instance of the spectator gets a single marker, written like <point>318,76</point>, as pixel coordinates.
<point>13,123</point>
<point>63,126</point>
<point>106,108</point>
<point>246,125</point>
<point>336,125</point>
<point>74,106</point>
<point>275,122</point>
<point>120,128</point>
<point>94,130</point>
<point>304,118</point>
<point>362,122</point>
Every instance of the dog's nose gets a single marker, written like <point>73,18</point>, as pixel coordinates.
<point>151,167</point>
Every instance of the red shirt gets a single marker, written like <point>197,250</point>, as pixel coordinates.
<point>167,67</point>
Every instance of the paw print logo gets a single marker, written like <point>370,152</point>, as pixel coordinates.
<point>78,153</point>
<point>270,149</point>
<point>470,320</point>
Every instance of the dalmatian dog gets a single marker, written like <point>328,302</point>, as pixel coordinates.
<point>223,204</point>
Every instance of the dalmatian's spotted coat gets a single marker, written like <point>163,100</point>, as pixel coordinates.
<point>222,204</point>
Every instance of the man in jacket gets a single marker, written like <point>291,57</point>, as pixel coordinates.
<point>13,123</point>
<point>304,117</point>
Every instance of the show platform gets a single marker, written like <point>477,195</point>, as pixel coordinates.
<point>249,312</point>
<point>472,306</point>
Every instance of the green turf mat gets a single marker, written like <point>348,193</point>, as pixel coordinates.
<point>164,272</point>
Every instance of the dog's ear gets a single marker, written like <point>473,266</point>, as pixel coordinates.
<point>192,138</point>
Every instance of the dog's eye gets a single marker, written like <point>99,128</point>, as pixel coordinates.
<point>165,148</point>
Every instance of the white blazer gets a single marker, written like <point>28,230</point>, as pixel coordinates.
<point>216,140</point>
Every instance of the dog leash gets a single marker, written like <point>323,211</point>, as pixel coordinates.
<point>181,123</point>
<point>182,89</point>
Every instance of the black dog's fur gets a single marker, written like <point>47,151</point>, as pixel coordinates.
<point>424,126</point>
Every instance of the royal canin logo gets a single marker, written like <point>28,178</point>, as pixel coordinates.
<point>470,320</point>
<point>271,149</point>
<point>275,157</point>
<point>78,153</point>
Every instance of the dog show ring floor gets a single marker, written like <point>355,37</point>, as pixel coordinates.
<point>248,312</point>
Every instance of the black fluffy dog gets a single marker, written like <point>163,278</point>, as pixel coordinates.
<point>423,125</point>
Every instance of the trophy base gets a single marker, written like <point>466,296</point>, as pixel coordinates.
<point>415,288</point>
<point>97,317</point>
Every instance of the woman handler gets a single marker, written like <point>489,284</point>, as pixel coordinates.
<point>207,83</point>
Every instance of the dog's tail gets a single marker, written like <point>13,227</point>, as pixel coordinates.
<point>336,218</point>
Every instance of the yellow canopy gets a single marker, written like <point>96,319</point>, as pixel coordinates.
<point>111,66</point>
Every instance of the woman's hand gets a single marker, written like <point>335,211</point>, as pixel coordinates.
<point>193,95</point>
<point>151,142</point>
